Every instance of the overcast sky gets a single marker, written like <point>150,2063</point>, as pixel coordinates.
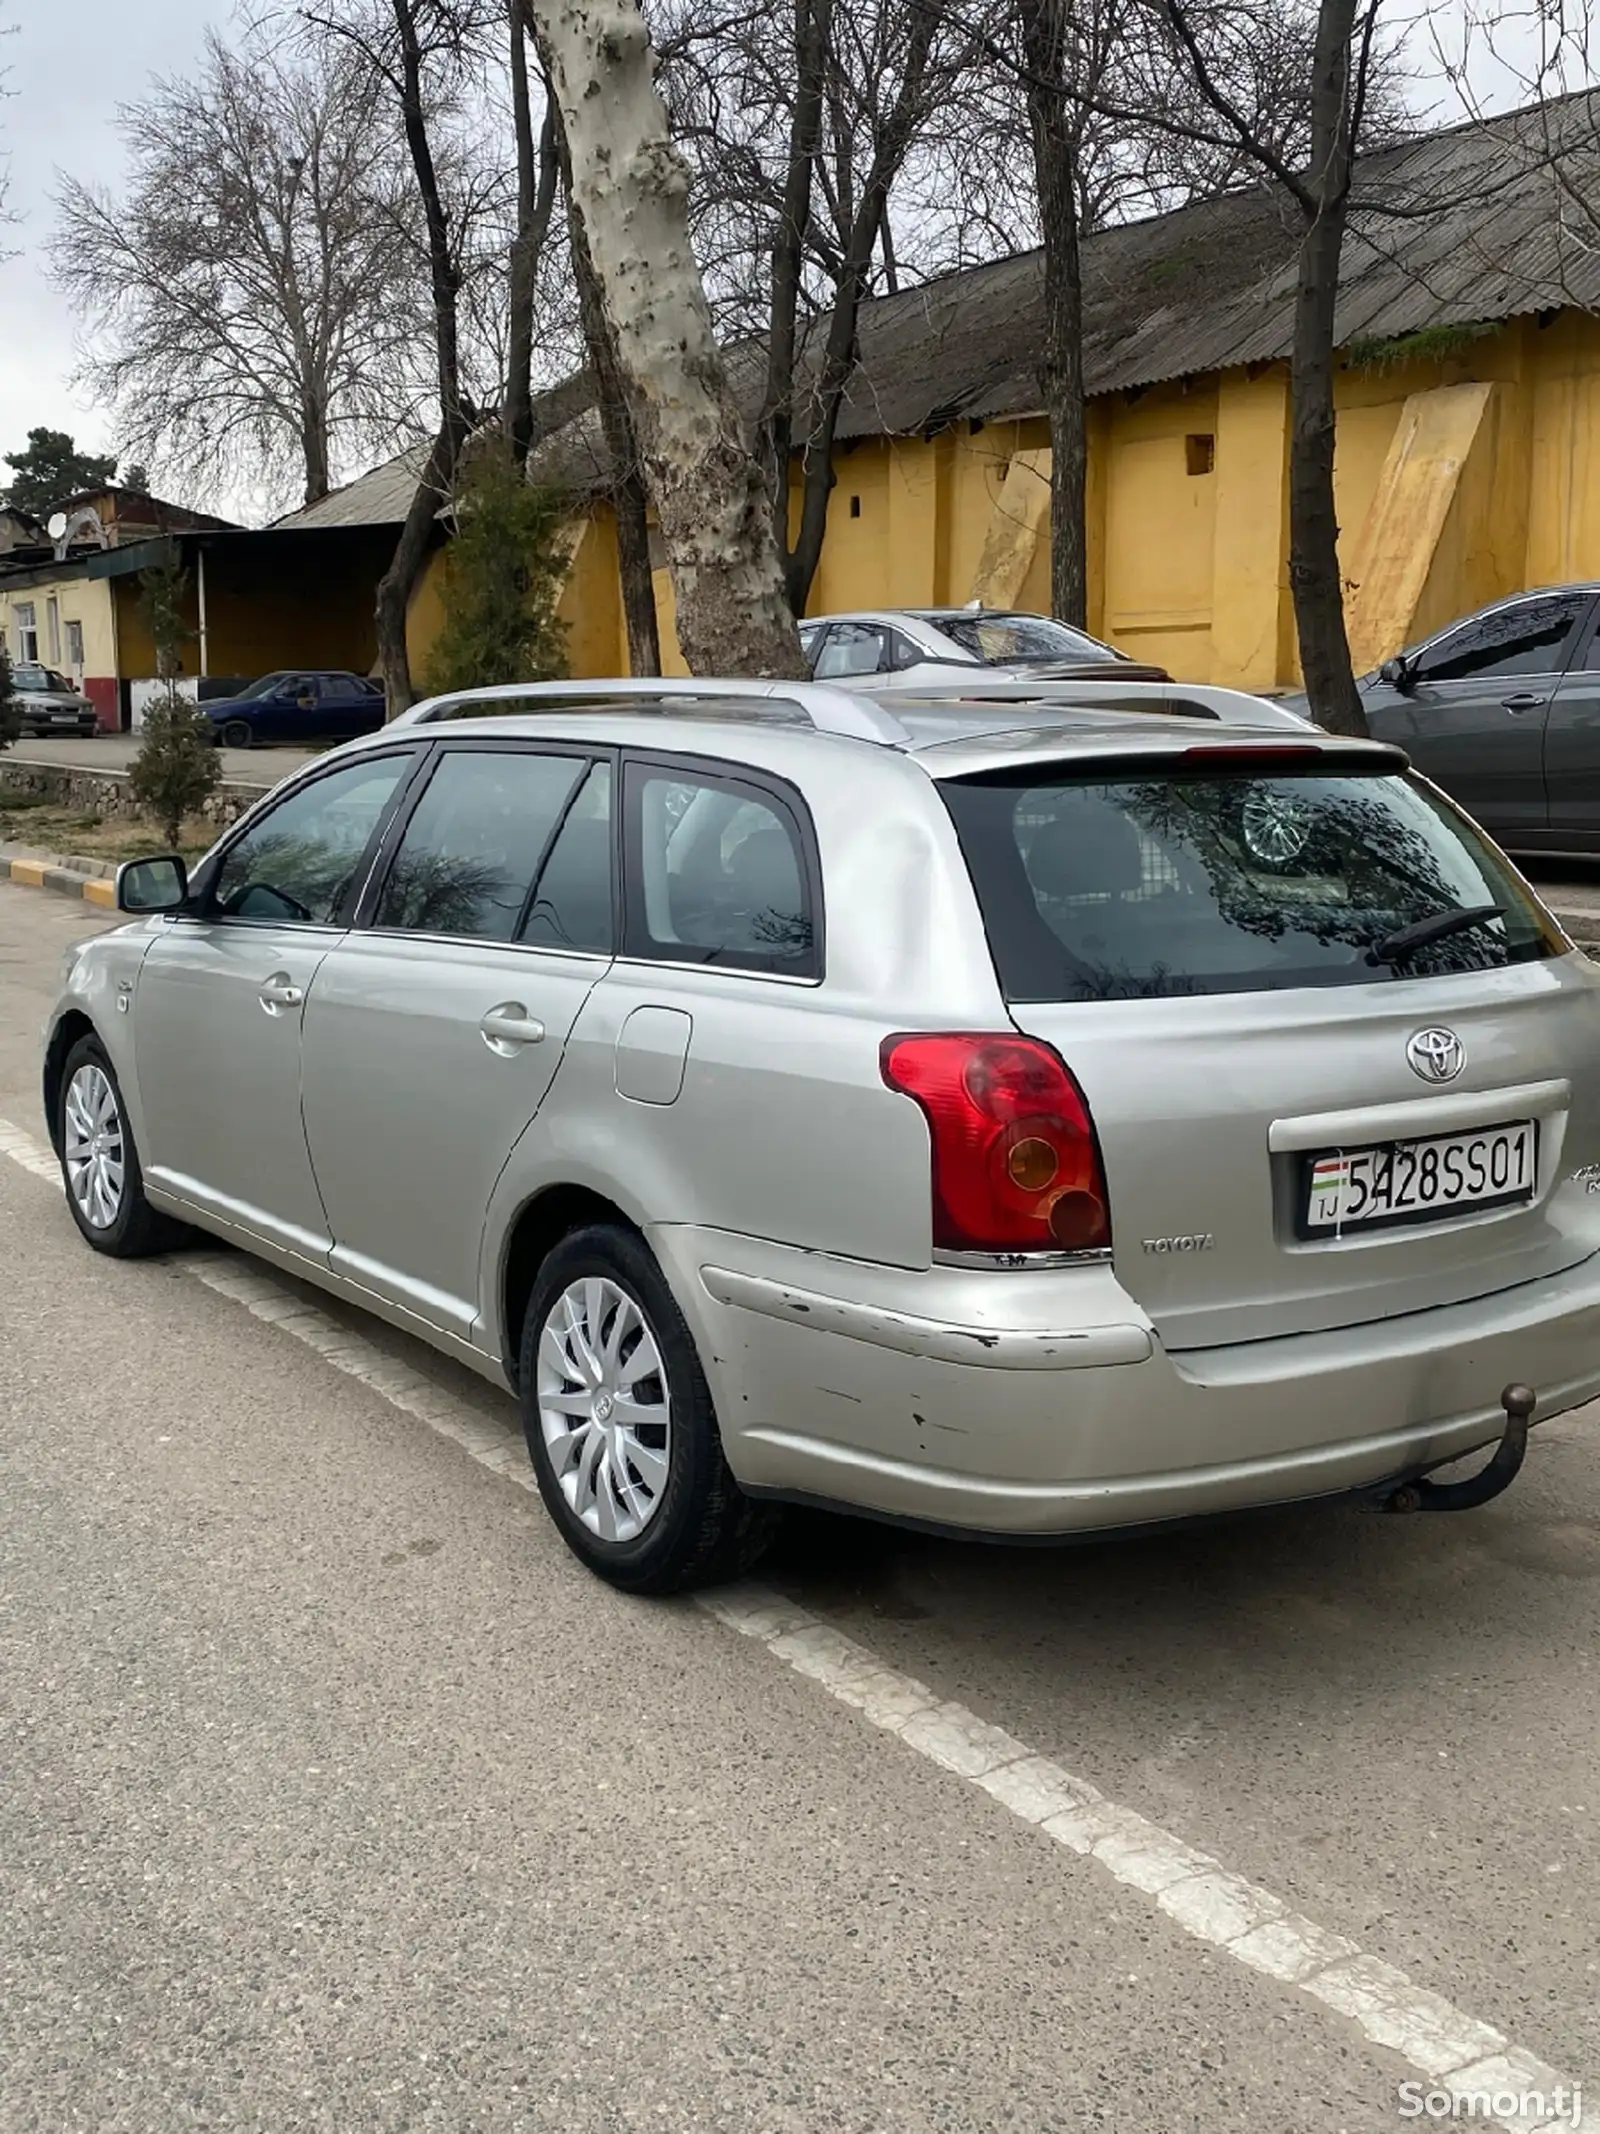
<point>71,62</point>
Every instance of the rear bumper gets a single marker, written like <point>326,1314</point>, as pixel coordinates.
<point>1035,1404</point>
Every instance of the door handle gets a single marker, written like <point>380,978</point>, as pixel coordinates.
<point>280,992</point>
<point>1525,702</point>
<point>507,1028</point>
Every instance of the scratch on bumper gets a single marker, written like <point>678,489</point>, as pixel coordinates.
<point>997,1348</point>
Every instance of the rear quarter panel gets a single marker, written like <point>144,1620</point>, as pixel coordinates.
<point>783,1128</point>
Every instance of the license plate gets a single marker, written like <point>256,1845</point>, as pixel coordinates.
<point>1421,1181</point>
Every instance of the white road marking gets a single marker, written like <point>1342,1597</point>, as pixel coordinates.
<point>1452,2050</point>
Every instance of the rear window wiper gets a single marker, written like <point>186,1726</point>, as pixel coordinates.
<point>1438,926</point>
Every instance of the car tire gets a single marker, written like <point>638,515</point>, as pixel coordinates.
<point>237,733</point>
<point>100,1165</point>
<point>649,1504</point>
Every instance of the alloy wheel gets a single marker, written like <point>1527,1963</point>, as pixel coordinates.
<point>92,1146</point>
<point>604,1408</point>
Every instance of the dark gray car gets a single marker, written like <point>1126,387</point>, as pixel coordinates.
<point>1502,709</point>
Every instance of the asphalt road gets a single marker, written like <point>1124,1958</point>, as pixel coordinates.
<point>334,1795</point>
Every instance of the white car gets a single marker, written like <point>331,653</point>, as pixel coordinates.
<point>990,655</point>
<point>902,648</point>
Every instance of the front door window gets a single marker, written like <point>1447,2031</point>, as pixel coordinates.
<point>300,861</point>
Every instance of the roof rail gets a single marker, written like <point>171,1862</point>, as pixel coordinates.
<point>830,711</point>
<point>1207,699</point>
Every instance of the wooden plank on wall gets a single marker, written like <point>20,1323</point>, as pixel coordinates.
<point>1021,513</point>
<point>1394,550</point>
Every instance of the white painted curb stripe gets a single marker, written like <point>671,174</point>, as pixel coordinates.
<point>1452,2050</point>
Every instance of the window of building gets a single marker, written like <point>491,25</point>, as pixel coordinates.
<point>1200,452</point>
<point>75,648</point>
<point>52,616</point>
<point>24,615</point>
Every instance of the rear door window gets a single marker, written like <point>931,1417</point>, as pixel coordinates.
<point>852,648</point>
<point>470,854</point>
<point>1168,881</point>
<point>719,871</point>
<point>572,900</point>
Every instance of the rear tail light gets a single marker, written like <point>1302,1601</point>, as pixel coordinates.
<point>1015,1163</point>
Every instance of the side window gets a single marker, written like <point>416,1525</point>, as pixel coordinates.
<point>903,653</point>
<point>297,862</point>
<point>852,648</point>
<point>1586,660</point>
<point>467,860</point>
<point>571,905</point>
<point>1529,637</point>
<point>717,874</point>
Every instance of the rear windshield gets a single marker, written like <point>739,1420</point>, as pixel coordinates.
<point>1151,884</point>
<point>1008,640</point>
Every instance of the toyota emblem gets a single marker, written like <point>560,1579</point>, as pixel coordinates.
<point>1437,1055</point>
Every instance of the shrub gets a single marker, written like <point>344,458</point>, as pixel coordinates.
<point>176,770</point>
<point>502,578</point>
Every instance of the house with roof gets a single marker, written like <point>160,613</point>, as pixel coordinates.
<point>1468,397</point>
<point>255,599</point>
<point>1467,462</point>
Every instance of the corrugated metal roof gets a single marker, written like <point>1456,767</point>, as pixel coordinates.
<point>380,498</point>
<point>1452,228</point>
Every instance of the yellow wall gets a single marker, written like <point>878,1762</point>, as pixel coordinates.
<point>82,600</point>
<point>295,610</point>
<point>1189,567</point>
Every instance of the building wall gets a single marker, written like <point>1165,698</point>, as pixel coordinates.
<point>86,602</point>
<point>314,610</point>
<point>1188,507</point>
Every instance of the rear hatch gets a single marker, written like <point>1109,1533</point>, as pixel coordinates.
<point>1295,1136</point>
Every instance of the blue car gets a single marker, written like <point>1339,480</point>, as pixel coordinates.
<point>296,706</point>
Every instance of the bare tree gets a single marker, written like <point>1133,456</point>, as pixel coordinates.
<point>799,124</point>
<point>416,54</point>
<point>1048,55</point>
<point>631,189</point>
<point>629,497</point>
<point>537,173</point>
<point>1203,35</point>
<point>252,297</point>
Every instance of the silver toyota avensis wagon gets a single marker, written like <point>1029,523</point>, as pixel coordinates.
<point>1012,1119</point>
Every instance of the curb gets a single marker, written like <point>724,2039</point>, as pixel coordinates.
<point>65,881</point>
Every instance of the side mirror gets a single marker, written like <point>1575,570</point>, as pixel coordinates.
<point>1396,673</point>
<point>153,885</point>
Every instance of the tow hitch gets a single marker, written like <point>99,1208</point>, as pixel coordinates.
<point>1421,1495</point>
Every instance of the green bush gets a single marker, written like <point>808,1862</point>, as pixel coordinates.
<point>502,578</point>
<point>176,769</point>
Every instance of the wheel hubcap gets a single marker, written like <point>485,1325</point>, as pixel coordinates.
<point>92,1146</point>
<point>604,1408</point>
